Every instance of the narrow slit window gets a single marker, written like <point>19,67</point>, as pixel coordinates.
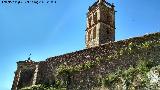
<point>94,33</point>
<point>89,35</point>
<point>89,21</point>
<point>95,17</point>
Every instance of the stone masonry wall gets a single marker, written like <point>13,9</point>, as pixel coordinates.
<point>86,79</point>
<point>47,69</point>
<point>25,74</point>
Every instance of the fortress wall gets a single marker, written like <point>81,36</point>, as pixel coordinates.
<point>79,57</point>
<point>24,75</point>
<point>47,69</point>
<point>91,54</point>
<point>87,79</point>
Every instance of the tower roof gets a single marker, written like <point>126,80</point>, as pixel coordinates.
<point>101,1</point>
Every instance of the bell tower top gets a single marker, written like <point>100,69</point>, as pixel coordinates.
<point>100,24</point>
<point>100,1</point>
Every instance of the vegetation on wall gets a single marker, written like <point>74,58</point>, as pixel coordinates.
<point>136,77</point>
<point>42,87</point>
<point>128,50</point>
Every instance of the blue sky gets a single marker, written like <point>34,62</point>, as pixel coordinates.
<point>48,30</point>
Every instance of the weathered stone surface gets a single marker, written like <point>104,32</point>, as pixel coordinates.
<point>100,31</point>
<point>100,24</point>
<point>47,69</point>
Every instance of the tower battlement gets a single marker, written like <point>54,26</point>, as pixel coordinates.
<point>26,62</point>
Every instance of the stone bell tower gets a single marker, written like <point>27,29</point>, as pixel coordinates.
<point>100,24</point>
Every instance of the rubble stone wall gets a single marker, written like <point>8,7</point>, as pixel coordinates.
<point>87,79</point>
<point>91,54</point>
